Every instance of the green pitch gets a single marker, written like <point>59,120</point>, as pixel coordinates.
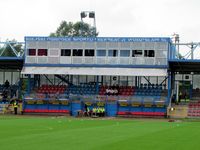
<point>51,133</point>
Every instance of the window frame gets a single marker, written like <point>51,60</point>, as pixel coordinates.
<point>101,50</point>
<point>114,54</point>
<point>124,51</point>
<point>87,50</point>
<point>73,52</point>
<point>40,49</point>
<point>63,51</point>
<point>147,53</point>
<point>137,55</point>
<point>35,52</point>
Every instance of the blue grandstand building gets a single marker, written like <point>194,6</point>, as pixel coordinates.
<point>126,75</point>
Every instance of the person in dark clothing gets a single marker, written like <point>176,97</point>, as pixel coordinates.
<point>86,110</point>
<point>174,98</point>
<point>7,84</point>
<point>4,95</point>
<point>12,92</point>
<point>85,107</point>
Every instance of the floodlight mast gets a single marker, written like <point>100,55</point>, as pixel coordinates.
<point>177,40</point>
<point>90,14</point>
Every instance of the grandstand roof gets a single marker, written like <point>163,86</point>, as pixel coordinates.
<point>96,71</point>
<point>11,63</point>
<point>184,65</point>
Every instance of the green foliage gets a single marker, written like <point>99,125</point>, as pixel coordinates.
<point>7,49</point>
<point>74,29</point>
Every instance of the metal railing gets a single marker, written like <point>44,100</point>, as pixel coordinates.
<point>99,98</point>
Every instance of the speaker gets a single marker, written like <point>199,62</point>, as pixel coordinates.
<point>114,78</point>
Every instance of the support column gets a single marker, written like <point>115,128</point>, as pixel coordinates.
<point>29,84</point>
<point>39,81</point>
<point>169,88</point>
<point>71,79</point>
<point>19,92</point>
<point>136,81</point>
<point>78,79</point>
<point>177,91</point>
<point>12,78</point>
<point>192,51</point>
<point>173,85</point>
<point>3,77</point>
<point>97,85</point>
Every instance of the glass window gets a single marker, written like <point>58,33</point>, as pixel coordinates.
<point>31,52</point>
<point>77,52</point>
<point>89,52</point>
<point>65,52</point>
<point>136,53</point>
<point>42,52</point>
<point>112,53</point>
<point>124,53</point>
<point>149,53</point>
<point>101,53</point>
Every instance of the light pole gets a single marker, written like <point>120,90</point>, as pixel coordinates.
<point>90,14</point>
<point>177,40</point>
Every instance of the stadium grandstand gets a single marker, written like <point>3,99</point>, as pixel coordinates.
<point>127,76</point>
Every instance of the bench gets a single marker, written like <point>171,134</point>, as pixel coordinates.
<point>150,114</point>
<point>45,111</point>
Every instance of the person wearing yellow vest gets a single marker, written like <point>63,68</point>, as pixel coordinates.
<point>94,111</point>
<point>88,111</point>
<point>98,112</point>
<point>15,105</point>
<point>103,111</point>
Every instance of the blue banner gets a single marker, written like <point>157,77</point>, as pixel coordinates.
<point>100,39</point>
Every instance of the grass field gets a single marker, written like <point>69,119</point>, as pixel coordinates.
<point>51,133</point>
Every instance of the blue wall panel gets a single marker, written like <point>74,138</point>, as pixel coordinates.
<point>75,107</point>
<point>136,109</point>
<point>111,109</point>
<point>124,108</point>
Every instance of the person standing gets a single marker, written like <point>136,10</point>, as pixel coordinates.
<point>93,111</point>
<point>7,84</point>
<point>15,105</point>
<point>86,110</point>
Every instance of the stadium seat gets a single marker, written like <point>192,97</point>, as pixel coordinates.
<point>122,113</point>
<point>52,89</point>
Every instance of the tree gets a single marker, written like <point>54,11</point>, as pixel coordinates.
<point>9,47</point>
<point>74,29</point>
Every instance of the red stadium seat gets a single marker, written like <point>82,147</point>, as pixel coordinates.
<point>122,113</point>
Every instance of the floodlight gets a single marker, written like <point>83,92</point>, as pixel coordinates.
<point>91,15</point>
<point>83,15</point>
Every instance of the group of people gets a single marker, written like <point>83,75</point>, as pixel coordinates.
<point>113,90</point>
<point>183,96</point>
<point>5,91</point>
<point>8,92</point>
<point>95,111</point>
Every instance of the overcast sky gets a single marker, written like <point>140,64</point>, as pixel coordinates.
<point>127,18</point>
